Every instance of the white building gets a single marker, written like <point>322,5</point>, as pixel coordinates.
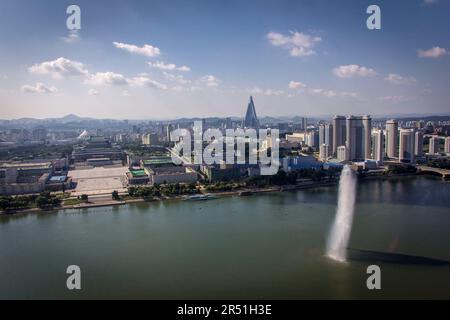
<point>378,145</point>
<point>339,132</point>
<point>358,137</point>
<point>324,152</point>
<point>418,144</point>
<point>342,154</point>
<point>391,138</point>
<point>406,146</point>
<point>447,145</point>
<point>434,145</point>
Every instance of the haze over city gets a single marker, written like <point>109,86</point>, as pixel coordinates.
<point>158,60</point>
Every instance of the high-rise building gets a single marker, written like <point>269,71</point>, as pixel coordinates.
<point>447,145</point>
<point>329,135</point>
<point>391,138</point>
<point>324,152</point>
<point>338,133</point>
<point>321,134</point>
<point>304,124</point>
<point>378,145</point>
<point>250,119</point>
<point>169,129</point>
<point>406,145</point>
<point>358,136</point>
<point>312,139</point>
<point>149,139</point>
<point>434,145</point>
<point>418,144</point>
<point>326,134</point>
<point>342,154</point>
<point>367,139</point>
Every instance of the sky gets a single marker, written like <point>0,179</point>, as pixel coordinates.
<point>202,58</point>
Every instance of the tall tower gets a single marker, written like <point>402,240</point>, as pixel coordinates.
<point>321,134</point>
<point>434,145</point>
<point>338,133</point>
<point>355,139</point>
<point>378,145</point>
<point>251,120</point>
<point>447,145</point>
<point>329,135</point>
<point>418,144</point>
<point>391,138</point>
<point>406,146</point>
<point>367,138</point>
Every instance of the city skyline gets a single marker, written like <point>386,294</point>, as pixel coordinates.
<point>167,61</point>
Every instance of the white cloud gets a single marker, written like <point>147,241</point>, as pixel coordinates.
<point>184,68</point>
<point>142,81</point>
<point>266,92</point>
<point>177,78</point>
<point>398,98</point>
<point>38,88</point>
<point>429,2</point>
<point>146,50</point>
<point>319,91</point>
<point>353,70</point>
<point>299,44</point>
<point>105,78</point>
<point>296,85</point>
<point>398,79</point>
<point>125,93</point>
<point>93,92</point>
<point>210,81</point>
<point>169,67</point>
<point>60,67</point>
<point>435,52</point>
<point>72,37</point>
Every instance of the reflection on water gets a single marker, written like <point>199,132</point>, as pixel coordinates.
<point>264,246</point>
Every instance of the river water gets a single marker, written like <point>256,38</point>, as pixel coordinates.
<point>267,246</point>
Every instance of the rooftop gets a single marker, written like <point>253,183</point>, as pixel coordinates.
<point>138,173</point>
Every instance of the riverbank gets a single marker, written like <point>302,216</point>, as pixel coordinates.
<point>107,201</point>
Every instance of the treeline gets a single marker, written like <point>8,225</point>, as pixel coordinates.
<point>45,200</point>
<point>290,178</point>
<point>167,190</point>
<point>441,163</point>
<point>401,169</point>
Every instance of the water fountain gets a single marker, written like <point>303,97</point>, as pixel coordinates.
<point>342,226</point>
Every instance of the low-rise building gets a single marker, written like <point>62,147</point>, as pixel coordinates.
<point>178,174</point>
<point>300,162</point>
<point>138,176</point>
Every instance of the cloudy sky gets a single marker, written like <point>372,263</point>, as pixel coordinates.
<point>168,59</point>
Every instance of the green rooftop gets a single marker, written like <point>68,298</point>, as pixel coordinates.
<point>159,161</point>
<point>138,173</point>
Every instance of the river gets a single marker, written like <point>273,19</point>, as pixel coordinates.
<point>266,246</point>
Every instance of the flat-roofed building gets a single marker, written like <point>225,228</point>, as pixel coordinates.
<point>138,176</point>
<point>97,147</point>
<point>179,174</point>
<point>391,138</point>
<point>406,146</point>
<point>434,145</point>
<point>418,144</point>
<point>447,145</point>
<point>378,145</point>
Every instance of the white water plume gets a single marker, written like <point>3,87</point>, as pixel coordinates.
<point>342,226</point>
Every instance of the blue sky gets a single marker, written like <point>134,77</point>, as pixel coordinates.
<point>168,59</point>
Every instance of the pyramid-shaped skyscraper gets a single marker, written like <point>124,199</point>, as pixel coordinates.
<point>251,120</point>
